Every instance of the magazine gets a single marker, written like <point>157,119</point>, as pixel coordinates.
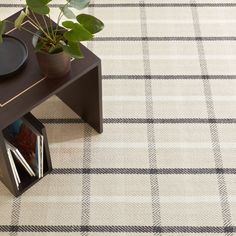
<point>18,156</point>
<point>26,143</point>
<point>13,167</point>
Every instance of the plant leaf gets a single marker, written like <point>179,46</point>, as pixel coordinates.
<point>20,19</point>
<point>67,12</point>
<point>44,10</point>
<point>39,6</point>
<point>90,23</point>
<point>73,50</point>
<point>68,24</point>
<point>2,29</point>
<point>79,4</point>
<point>37,3</point>
<point>56,49</point>
<point>78,33</point>
<point>38,46</point>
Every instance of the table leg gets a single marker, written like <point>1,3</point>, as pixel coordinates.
<point>84,97</point>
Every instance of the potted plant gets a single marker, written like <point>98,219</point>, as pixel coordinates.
<point>53,44</point>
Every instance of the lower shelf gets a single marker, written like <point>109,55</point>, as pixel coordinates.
<point>7,175</point>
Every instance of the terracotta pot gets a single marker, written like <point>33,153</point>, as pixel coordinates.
<point>52,65</point>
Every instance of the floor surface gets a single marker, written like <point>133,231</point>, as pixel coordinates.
<point>166,162</point>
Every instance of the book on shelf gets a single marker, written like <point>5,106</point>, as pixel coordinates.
<point>18,156</point>
<point>37,160</point>
<point>13,167</point>
<point>25,146</point>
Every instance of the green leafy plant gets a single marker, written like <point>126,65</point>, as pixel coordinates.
<point>52,38</point>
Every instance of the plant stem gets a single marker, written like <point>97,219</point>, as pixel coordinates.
<point>23,28</point>
<point>58,22</point>
<point>35,24</point>
<point>46,24</point>
<point>60,16</point>
<point>40,27</point>
<point>36,20</point>
<point>50,20</point>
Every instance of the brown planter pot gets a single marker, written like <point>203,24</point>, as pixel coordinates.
<point>53,65</point>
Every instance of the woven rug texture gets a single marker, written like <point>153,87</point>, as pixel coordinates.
<point>166,161</point>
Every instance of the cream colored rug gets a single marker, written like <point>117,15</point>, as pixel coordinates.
<point>166,162</point>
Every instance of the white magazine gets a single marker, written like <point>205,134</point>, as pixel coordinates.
<point>20,158</point>
<point>13,167</point>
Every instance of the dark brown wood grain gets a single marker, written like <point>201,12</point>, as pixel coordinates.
<point>81,90</point>
<point>12,87</point>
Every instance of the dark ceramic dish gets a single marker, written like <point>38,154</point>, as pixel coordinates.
<point>13,56</point>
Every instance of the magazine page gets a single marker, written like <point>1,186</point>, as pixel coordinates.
<point>25,140</point>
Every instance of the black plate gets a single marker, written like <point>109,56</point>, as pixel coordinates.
<point>13,56</point>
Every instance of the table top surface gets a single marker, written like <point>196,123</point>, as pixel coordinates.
<point>28,88</point>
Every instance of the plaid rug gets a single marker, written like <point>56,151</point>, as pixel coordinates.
<point>166,162</point>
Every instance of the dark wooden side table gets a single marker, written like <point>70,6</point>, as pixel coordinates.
<point>81,90</point>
